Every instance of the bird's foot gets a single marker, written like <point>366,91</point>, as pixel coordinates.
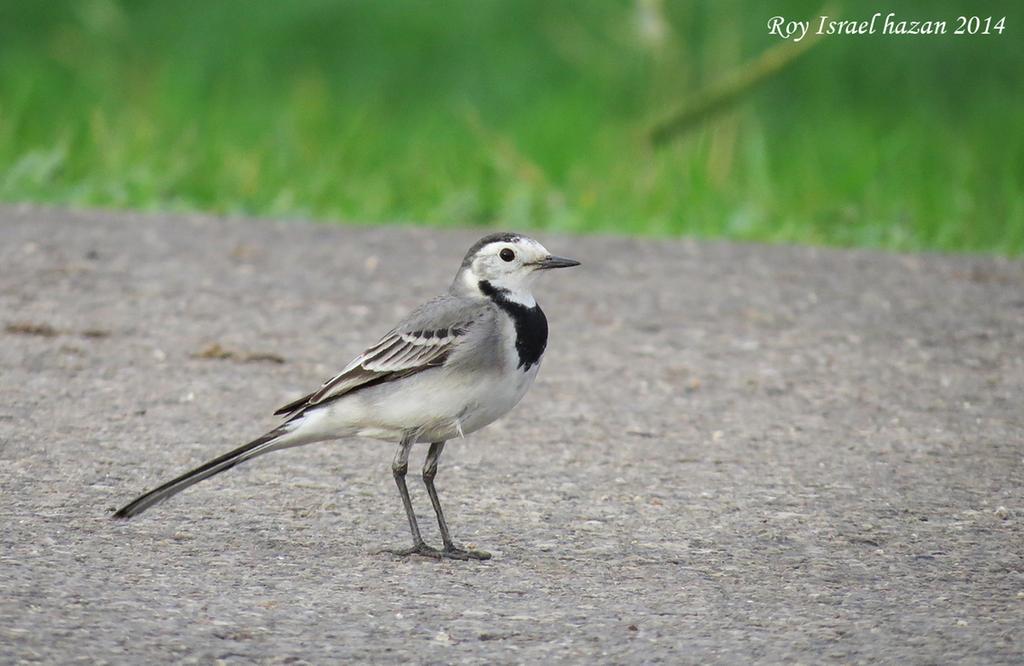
<point>421,549</point>
<point>450,552</point>
<point>453,552</point>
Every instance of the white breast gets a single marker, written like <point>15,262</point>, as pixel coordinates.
<point>498,399</point>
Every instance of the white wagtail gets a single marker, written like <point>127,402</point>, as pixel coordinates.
<point>456,364</point>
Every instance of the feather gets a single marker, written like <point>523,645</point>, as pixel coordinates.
<point>426,339</point>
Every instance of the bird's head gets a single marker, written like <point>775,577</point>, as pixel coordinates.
<point>506,263</point>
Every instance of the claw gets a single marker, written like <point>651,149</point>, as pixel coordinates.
<point>456,553</point>
<point>449,552</point>
<point>421,549</point>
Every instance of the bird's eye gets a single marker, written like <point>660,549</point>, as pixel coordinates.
<point>507,254</point>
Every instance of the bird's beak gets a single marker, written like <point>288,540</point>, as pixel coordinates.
<point>555,262</point>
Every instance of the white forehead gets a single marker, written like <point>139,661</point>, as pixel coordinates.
<point>527,246</point>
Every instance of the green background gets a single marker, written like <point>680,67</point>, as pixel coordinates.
<point>517,114</point>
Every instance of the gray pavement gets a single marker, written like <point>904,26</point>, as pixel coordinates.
<point>734,454</point>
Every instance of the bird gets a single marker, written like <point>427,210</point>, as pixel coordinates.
<point>454,365</point>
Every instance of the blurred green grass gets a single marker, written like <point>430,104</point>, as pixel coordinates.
<point>516,113</point>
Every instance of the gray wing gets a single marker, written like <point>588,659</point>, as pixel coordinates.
<point>425,339</point>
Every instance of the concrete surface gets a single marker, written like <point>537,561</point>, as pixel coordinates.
<point>733,454</point>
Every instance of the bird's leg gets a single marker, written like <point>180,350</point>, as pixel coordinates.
<point>429,472</point>
<point>450,549</point>
<point>399,468</point>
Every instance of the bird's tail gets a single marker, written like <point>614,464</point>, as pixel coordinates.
<point>264,444</point>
